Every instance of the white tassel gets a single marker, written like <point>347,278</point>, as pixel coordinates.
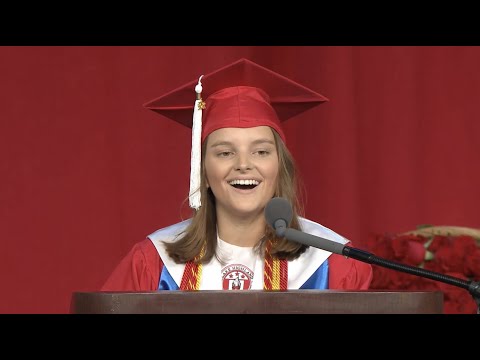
<point>196,156</point>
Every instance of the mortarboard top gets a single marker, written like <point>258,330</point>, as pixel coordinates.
<point>230,104</point>
<point>242,94</point>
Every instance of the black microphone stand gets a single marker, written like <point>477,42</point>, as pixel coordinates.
<point>473,287</point>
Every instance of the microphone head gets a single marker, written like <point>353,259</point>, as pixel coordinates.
<point>278,209</point>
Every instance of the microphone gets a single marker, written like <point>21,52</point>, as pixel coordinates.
<point>279,214</point>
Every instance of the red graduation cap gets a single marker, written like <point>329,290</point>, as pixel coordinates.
<point>242,94</point>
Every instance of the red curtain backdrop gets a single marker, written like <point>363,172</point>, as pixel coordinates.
<point>86,171</point>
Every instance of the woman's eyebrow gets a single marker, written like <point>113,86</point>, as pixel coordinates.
<point>255,142</point>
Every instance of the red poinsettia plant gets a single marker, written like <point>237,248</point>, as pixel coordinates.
<point>453,255</point>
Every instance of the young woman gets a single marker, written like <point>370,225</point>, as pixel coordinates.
<point>243,163</point>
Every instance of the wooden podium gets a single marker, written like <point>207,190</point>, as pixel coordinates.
<point>258,302</point>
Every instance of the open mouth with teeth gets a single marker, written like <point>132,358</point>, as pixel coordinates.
<point>244,184</point>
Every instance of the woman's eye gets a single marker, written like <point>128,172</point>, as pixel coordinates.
<point>262,152</point>
<point>225,153</point>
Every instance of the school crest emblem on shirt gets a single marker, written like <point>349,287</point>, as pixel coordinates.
<point>236,277</point>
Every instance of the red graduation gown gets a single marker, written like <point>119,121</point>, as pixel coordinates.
<point>140,270</point>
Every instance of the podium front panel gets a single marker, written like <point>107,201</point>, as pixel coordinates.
<point>258,302</point>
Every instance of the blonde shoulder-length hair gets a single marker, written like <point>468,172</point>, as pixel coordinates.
<point>201,234</point>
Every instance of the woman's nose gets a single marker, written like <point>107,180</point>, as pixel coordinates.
<point>243,163</point>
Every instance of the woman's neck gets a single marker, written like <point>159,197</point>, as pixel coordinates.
<point>246,232</point>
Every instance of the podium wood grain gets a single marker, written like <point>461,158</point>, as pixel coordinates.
<point>258,302</point>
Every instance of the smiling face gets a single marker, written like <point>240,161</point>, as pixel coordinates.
<point>241,168</point>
